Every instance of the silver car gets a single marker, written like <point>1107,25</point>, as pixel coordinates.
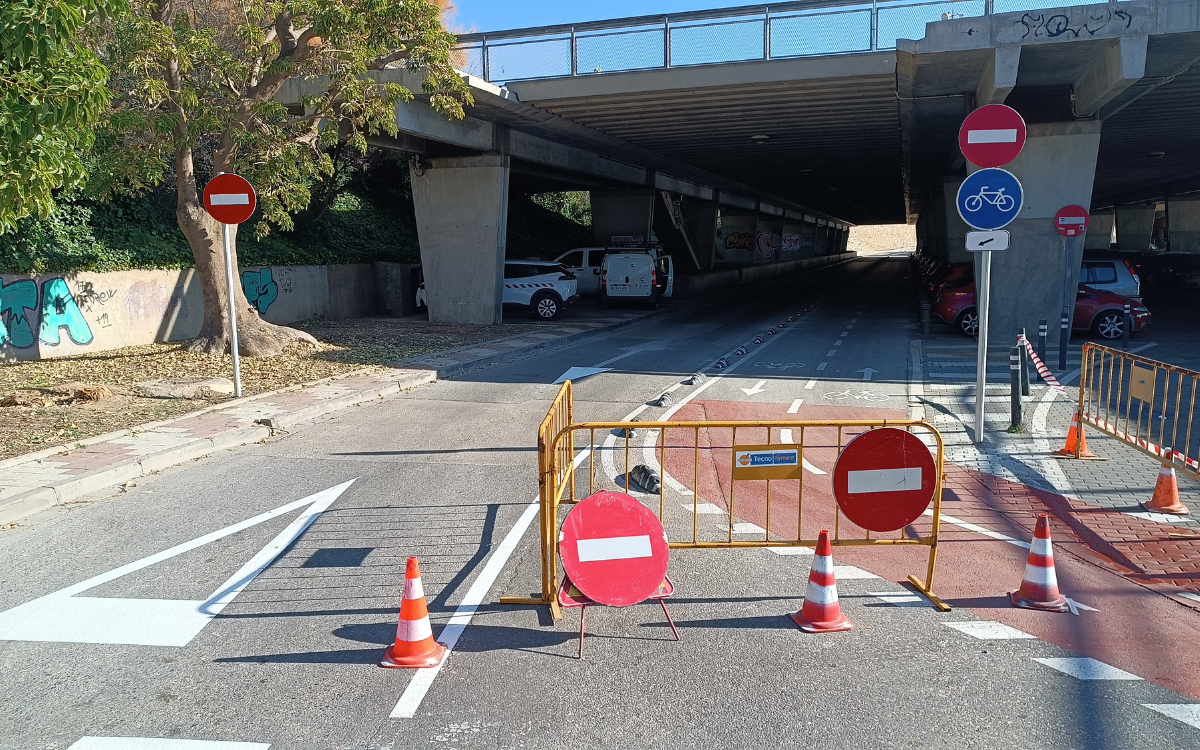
<point>1111,275</point>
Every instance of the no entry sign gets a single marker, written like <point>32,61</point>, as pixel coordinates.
<point>884,479</point>
<point>992,135</point>
<point>229,199</point>
<point>614,549</point>
<point>1071,221</point>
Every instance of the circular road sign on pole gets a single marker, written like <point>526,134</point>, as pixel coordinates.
<point>990,199</point>
<point>229,199</point>
<point>614,549</point>
<point>884,479</point>
<point>1071,221</point>
<point>992,135</point>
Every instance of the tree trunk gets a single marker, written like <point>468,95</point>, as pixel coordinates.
<point>256,337</point>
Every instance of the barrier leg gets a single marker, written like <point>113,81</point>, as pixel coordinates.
<point>663,602</point>
<point>582,626</point>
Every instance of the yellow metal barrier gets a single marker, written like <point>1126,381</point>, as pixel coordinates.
<point>1117,388</point>
<point>558,479</point>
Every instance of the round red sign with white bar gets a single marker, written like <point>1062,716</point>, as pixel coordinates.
<point>1071,221</point>
<point>614,549</point>
<point>229,199</point>
<point>992,136</point>
<point>884,479</point>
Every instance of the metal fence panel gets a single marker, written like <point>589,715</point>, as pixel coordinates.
<point>722,41</point>
<point>907,21</point>
<point>539,58</point>
<point>815,33</point>
<point>607,52</point>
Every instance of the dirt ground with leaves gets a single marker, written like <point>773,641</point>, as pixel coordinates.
<point>56,401</point>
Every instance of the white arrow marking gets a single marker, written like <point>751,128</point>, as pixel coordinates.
<point>758,388</point>
<point>867,372</point>
<point>579,373</point>
<point>785,436</point>
<point>1076,606</point>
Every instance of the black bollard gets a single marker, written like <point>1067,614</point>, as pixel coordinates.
<point>1126,326</point>
<point>1024,363</point>
<point>1063,337</point>
<point>1041,345</point>
<point>1014,366</point>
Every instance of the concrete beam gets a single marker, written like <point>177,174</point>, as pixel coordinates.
<point>1118,68</point>
<point>767,208</point>
<point>682,187</point>
<point>999,77</point>
<point>542,151</point>
<point>624,213</point>
<point>461,207</point>
<point>735,202</point>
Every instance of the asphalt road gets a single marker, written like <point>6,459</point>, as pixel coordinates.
<point>445,473</point>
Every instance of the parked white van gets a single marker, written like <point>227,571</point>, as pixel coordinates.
<point>585,263</point>
<point>630,276</point>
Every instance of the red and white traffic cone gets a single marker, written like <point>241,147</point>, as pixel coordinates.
<point>414,647</point>
<point>821,612</point>
<point>1166,494</point>
<point>1074,434</point>
<point>1039,587</point>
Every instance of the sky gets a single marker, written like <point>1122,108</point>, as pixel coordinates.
<point>495,15</point>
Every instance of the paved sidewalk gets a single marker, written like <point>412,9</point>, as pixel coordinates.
<point>69,473</point>
<point>1095,504</point>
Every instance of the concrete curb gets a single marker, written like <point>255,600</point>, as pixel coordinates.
<point>59,493</point>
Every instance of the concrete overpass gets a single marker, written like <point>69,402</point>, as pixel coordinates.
<point>806,117</point>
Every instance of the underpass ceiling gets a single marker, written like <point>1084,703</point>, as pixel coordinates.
<point>833,141</point>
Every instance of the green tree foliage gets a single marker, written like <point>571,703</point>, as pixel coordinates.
<point>194,86</point>
<point>52,92</point>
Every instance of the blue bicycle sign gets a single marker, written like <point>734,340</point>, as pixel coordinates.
<point>990,199</point>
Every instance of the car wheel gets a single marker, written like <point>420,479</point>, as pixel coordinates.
<point>968,322</point>
<point>546,306</point>
<point>652,303</point>
<point>602,300</point>
<point>1110,324</point>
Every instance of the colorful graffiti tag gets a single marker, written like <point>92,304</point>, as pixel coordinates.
<point>768,245</point>
<point>57,310</point>
<point>739,241</point>
<point>260,288</point>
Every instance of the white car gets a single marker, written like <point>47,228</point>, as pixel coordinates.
<point>542,286</point>
<point>585,263</point>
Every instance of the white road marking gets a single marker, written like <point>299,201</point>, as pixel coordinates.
<point>1156,517</point>
<point>809,385</point>
<point>758,388</point>
<point>614,548</point>
<point>1190,595</point>
<point>745,527</point>
<point>820,367</point>
<point>986,630</point>
<point>898,598</point>
<point>980,530</point>
<point>838,342</point>
<point>1188,713</point>
<point>785,436</point>
<point>853,320</point>
<point>1083,668</point>
<point>845,333</point>
<point>867,372</point>
<point>704,508</point>
<point>1075,606</point>
<point>831,353</point>
<point>851,573</point>
<point>159,743</point>
<point>579,373</point>
<point>66,618</point>
<point>795,407</point>
<point>883,480</point>
<point>789,551</point>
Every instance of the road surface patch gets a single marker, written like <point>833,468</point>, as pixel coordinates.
<point>1083,668</point>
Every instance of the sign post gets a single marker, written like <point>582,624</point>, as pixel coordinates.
<point>1070,222</point>
<point>229,199</point>
<point>990,137</point>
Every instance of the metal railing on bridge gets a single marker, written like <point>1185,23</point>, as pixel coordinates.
<point>808,28</point>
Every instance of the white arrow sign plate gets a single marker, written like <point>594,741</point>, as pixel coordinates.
<point>978,242</point>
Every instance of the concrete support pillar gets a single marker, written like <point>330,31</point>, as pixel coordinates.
<point>844,240</point>
<point>700,217</point>
<point>735,240</point>
<point>1040,270</point>
<point>1135,228</point>
<point>461,207</point>
<point>622,214</point>
<point>1099,233</point>
<point>808,238</point>
<point>822,241</point>
<point>1184,228</point>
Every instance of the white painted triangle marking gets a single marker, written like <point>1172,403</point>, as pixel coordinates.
<point>63,617</point>
<point>579,373</point>
<point>1188,713</point>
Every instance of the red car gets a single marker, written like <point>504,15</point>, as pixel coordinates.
<point>1102,312</point>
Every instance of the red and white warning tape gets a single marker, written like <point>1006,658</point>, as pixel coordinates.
<point>1041,367</point>
<point>1164,453</point>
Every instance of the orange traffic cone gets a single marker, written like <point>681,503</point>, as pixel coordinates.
<point>414,647</point>
<point>821,612</point>
<point>1073,434</point>
<point>1166,494</point>
<point>1039,586</point>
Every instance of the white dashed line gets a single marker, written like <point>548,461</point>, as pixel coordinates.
<point>820,367</point>
<point>704,509</point>
<point>838,342</point>
<point>809,385</point>
<point>795,407</point>
<point>831,352</point>
<point>898,598</point>
<point>845,333</point>
<point>1083,668</point>
<point>986,630</point>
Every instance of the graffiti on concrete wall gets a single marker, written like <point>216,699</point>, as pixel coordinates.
<point>767,244</point>
<point>790,243</point>
<point>1051,25</point>
<point>739,241</point>
<point>25,309</point>
<point>260,288</point>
